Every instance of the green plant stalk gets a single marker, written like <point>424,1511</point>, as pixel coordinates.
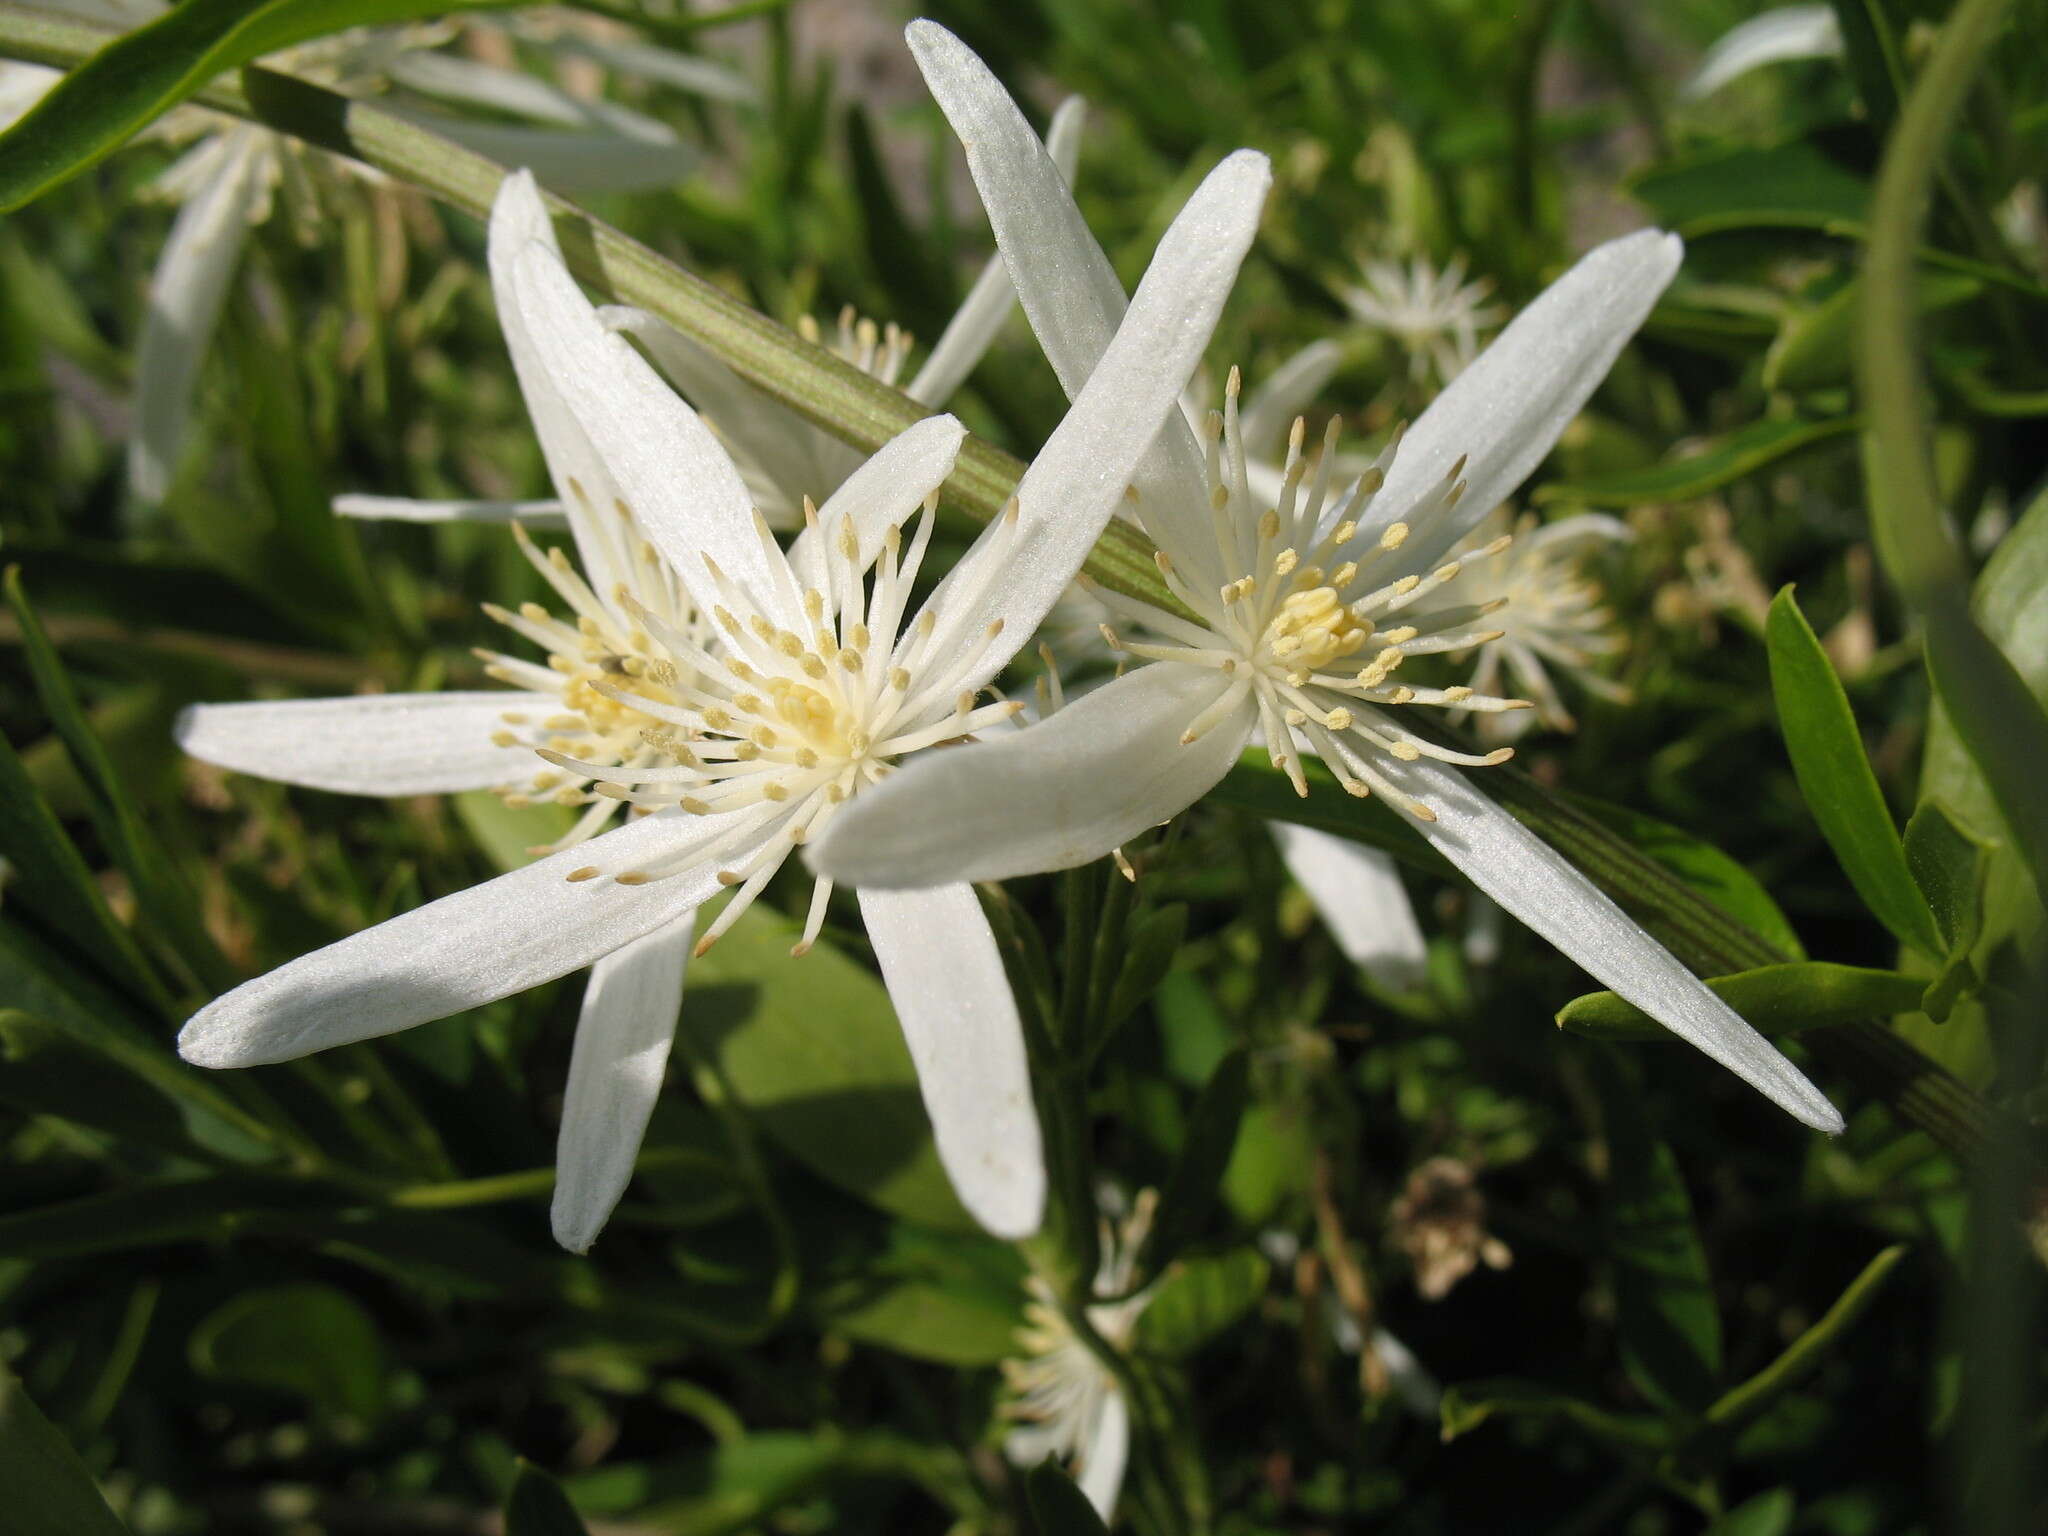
<point>2003,728</point>
<point>864,412</point>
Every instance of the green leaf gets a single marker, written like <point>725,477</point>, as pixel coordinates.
<point>1777,999</point>
<point>538,1507</point>
<point>1190,1194</point>
<point>308,1339</point>
<point>49,1071</point>
<point>1836,779</point>
<point>954,1300</point>
<point>49,1492</point>
<point>1726,459</point>
<point>137,78</point>
<point>1804,1354</point>
<point>1792,184</point>
<point>507,833</point>
<point>1663,1295</point>
<point>1467,1406</point>
<point>1950,865</point>
<point>1768,1514</point>
<point>812,1049</point>
<point>1057,1504</point>
<point>149,1214</point>
<point>1198,1299</point>
<point>1154,941</point>
<point>1813,346</point>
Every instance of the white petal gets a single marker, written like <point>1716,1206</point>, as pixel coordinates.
<point>1790,32</point>
<point>519,219</point>
<point>668,466</point>
<point>1507,409</point>
<point>406,509</point>
<point>1103,1457</point>
<point>593,160</point>
<point>887,488</point>
<point>788,458</point>
<point>1541,887</point>
<point>685,71</point>
<point>185,297</point>
<point>615,1073</point>
<point>484,85</point>
<point>946,980</point>
<point>1063,792</point>
<point>1359,894</point>
<point>369,744</point>
<point>1079,478</point>
<point>974,326</point>
<point>1269,410</point>
<point>474,947</point>
<point>1069,290</point>
<point>21,87</point>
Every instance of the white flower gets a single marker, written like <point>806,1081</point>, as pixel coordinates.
<point>1435,315</point>
<point>738,736</point>
<point>1789,32</point>
<point>1547,608</point>
<point>784,458</point>
<point>1303,613</point>
<point>1065,1402</point>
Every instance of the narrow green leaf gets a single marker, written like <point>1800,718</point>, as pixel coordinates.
<point>1663,1295</point>
<point>1058,1506</point>
<point>49,1492</point>
<point>1755,1395</point>
<point>1836,779</point>
<point>1190,1195</point>
<point>50,1071</point>
<point>1814,346</point>
<point>1471,1404</point>
<point>955,1300</point>
<point>1768,1514</point>
<point>1791,184</point>
<point>1777,999</point>
<point>1198,1299</point>
<point>149,1215</point>
<point>308,1339</point>
<point>137,78</point>
<point>1721,462</point>
<point>810,1046</point>
<point>538,1507</point>
<point>1155,940</point>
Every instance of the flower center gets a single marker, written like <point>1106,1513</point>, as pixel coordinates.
<point>1312,630</point>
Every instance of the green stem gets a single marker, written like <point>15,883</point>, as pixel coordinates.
<point>1995,714</point>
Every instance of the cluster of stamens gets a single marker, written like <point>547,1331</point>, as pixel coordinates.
<point>879,351</point>
<point>1310,612</point>
<point>734,715</point>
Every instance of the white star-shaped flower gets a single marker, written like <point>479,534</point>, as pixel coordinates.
<point>1302,612</point>
<point>738,733</point>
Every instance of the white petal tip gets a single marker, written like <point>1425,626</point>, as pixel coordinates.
<point>1012,1213</point>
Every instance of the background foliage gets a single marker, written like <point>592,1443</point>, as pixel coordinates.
<point>322,1296</point>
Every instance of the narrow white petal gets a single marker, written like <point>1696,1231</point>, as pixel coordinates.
<point>946,980</point>
<point>368,744</point>
<point>1790,32</point>
<point>669,467</point>
<point>474,947</point>
<point>615,1073</point>
<point>519,219</point>
<point>1539,886</point>
<point>1079,477</point>
<point>1359,894</point>
<point>1055,795</point>
<point>791,458</point>
<point>484,85</point>
<point>185,297</point>
<point>685,71</point>
<point>1069,290</point>
<point>406,509</point>
<point>1505,411</point>
<point>888,487</point>
<point>1104,1456</point>
<point>973,328</point>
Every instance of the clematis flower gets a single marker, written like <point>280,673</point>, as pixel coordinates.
<point>233,174</point>
<point>1549,612</point>
<point>737,733</point>
<point>1435,315</point>
<point>1788,32</point>
<point>1062,1400</point>
<point>1301,612</point>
